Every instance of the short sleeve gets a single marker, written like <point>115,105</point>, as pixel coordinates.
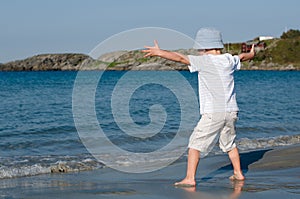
<point>236,62</point>
<point>196,63</point>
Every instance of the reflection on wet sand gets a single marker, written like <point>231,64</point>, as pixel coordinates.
<point>197,193</point>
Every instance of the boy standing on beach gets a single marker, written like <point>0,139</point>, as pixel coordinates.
<point>218,106</point>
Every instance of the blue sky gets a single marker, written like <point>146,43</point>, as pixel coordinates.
<point>30,27</point>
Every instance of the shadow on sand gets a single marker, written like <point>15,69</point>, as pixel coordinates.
<point>246,160</point>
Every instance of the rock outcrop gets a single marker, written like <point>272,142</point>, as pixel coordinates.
<point>120,60</point>
<point>46,62</point>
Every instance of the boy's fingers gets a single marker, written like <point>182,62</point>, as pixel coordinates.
<point>147,55</point>
<point>253,49</point>
<point>156,44</point>
<point>149,49</point>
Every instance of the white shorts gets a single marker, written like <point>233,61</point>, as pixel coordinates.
<point>212,127</point>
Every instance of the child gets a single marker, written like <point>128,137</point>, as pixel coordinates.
<point>218,106</point>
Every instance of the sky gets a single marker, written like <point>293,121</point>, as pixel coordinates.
<point>31,27</point>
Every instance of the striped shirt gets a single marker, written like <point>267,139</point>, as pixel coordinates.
<point>216,81</point>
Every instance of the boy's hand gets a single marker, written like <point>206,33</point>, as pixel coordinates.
<point>156,51</point>
<point>252,50</point>
<point>248,56</point>
<point>152,51</point>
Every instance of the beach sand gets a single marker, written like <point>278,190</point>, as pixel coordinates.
<point>270,173</point>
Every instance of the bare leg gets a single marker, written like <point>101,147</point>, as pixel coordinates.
<point>235,160</point>
<point>193,160</point>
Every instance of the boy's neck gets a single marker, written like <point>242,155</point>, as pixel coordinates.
<point>210,52</point>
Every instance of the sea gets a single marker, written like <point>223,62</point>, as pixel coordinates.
<point>41,132</point>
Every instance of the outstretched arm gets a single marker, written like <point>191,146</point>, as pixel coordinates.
<point>174,56</point>
<point>247,56</point>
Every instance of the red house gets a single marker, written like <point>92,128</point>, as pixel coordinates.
<point>258,45</point>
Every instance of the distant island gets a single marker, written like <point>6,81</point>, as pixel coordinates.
<point>275,54</point>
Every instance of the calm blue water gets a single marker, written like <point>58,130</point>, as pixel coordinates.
<point>37,129</point>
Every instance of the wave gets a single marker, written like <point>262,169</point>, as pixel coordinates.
<point>21,166</point>
<point>259,143</point>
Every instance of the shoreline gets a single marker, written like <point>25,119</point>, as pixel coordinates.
<point>123,61</point>
<point>4,71</point>
<point>269,173</point>
<point>275,55</point>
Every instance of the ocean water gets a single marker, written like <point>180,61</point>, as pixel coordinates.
<point>38,132</point>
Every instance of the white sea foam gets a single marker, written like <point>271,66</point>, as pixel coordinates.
<point>21,166</point>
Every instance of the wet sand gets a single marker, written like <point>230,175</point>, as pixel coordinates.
<point>270,173</point>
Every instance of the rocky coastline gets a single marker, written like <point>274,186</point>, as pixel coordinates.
<point>280,54</point>
<point>277,54</point>
<point>118,61</point>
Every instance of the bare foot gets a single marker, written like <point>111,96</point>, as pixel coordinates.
<point>186,183</point>
<point>237,177</point>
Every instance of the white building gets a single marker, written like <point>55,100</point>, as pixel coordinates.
<point>262,38</point>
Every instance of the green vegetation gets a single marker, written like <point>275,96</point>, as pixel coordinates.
<point>291,34</point>
<point>283,52</point>
<point>232,48</point>
<point>112,64</point>
<point>280,54</point>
